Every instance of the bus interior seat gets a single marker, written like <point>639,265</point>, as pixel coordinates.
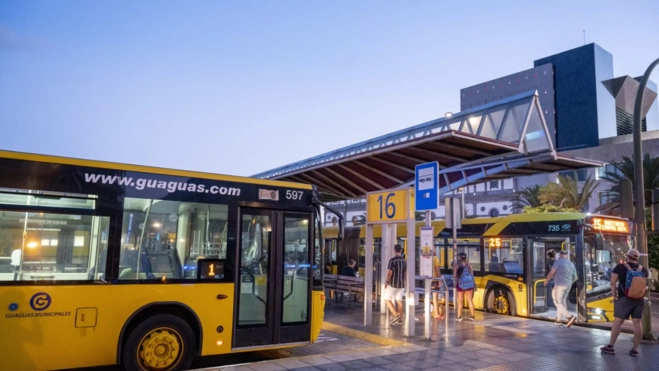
<point>512,266</point>
<point>497,268</point>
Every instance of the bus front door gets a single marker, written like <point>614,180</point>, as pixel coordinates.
<point>273,294</point>
<point>545,250</point>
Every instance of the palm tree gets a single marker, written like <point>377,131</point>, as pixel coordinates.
<point>566,193</point>
<point>625,170</point>
<point>527,196</point>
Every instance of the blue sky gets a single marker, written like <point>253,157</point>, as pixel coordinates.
<point>239,87</point>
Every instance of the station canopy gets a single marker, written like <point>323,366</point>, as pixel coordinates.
<point>503,139</point>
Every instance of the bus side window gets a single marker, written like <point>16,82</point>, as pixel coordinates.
<point>48,245</point>
<point>503,255</point>
<point>169,237</point>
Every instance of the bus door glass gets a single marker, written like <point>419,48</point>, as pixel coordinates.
<point>275,278</point>
<point>544,252</point>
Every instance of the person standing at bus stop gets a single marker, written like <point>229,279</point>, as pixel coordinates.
<point>395,283</point>
<point>465,285</point>
<point>564,274</point>
<point>629,299</point>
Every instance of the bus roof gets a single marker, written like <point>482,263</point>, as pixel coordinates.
<point>145,169</point>
<point>498,224</point>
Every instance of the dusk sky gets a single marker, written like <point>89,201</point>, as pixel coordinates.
<point>239,87</point>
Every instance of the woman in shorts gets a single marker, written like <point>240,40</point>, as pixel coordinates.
<point>460,268</point>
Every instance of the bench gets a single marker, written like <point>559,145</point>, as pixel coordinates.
<point>344,285</point>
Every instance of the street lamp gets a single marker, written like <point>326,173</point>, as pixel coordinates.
<point>640,194</point>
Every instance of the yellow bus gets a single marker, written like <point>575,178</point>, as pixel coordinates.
<point>510,257</point>
<point>104,263</point>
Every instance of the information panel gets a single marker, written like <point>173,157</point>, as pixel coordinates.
<point>427,246</point>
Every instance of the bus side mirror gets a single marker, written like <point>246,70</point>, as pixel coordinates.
<point>599,241</point>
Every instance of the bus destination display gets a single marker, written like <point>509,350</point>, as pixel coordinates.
<point>610,225</point>
<point>210,269</point>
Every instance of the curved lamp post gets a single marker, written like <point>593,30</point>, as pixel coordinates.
<point>641,240</point>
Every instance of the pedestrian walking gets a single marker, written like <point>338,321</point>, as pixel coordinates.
<point>629,299</point>
<point>564,274</point>
<point>463,276</point>
<point>395,283</point>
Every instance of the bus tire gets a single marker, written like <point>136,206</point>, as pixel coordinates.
<point>161,343</point>
<point>500,300</point>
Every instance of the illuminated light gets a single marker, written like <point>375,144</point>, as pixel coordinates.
<point>494,242</point>
<point>523,311</point>
<point>32,244</point>
<point>219,342</point>
<point>610,225</point>
<point>164,278</point>
<point>156,225</point>
<point>448,114</point>
<point>598,311</point>
<point>597,317</point>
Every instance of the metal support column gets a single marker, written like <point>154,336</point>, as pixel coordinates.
<point>368,276</point>
<point>385,254</point>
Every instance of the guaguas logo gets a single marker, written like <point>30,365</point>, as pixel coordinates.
<point>40,301</point>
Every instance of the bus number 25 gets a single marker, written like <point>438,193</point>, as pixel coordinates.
<point>294,195</point>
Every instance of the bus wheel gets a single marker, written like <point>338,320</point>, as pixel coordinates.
<point>501,302</point>
<point>161,343</point>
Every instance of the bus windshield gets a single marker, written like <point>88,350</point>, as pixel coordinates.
<point>602,255</point>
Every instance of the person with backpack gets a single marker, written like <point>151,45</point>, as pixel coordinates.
<point>463,276</point>
<point>629,299</point>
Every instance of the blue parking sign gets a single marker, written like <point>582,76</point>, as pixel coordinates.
<point>427,186</point>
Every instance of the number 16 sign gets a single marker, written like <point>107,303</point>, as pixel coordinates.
<point>390,206</point>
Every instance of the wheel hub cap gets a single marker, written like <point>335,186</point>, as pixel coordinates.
<point>160,349</point>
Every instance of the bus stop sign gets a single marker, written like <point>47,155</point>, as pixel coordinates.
<point>427,186</point>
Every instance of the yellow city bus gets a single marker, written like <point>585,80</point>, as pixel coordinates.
<point>104,263</point>
<point>509,255</point>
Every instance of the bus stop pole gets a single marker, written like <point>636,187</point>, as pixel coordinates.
<point>368,276</point>
<point>428,294</point>
<point>411,271</point>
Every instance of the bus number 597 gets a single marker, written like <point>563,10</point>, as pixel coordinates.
<point>294,195</point>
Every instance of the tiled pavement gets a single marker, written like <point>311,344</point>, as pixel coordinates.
<point>491,343</point>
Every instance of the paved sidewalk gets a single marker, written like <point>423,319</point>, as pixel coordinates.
<point>492,343</point>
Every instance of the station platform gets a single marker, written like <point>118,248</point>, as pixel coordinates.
<point>490,343</point>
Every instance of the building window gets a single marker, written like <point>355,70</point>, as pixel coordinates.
<point>606,197</point>
<point>494,184</point>
<point>607,169</point>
